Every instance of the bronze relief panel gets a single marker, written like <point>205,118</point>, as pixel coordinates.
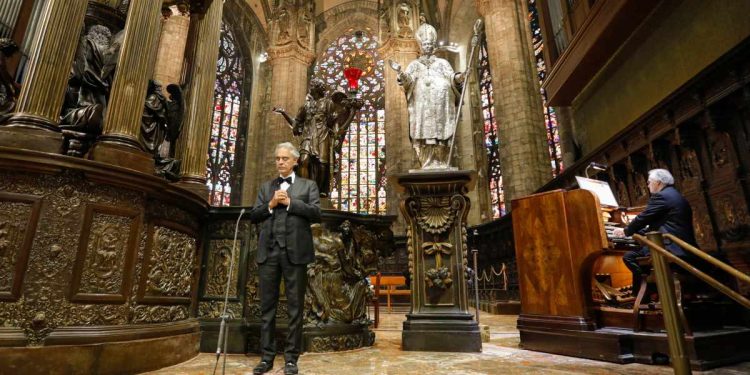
<point>19,215</point>
<point>169,264</point>
<point>104,262</point>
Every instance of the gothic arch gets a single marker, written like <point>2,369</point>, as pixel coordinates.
<point>330,24</point>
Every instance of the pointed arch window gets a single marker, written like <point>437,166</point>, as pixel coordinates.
<point>550,117</point>
<point>359,183</point>
<point>491,132</point>
<point>223,154</point>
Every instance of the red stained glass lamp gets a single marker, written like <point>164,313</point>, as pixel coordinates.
<point>352,75</point>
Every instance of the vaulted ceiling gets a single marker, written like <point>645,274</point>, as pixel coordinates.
<point>438,12</point>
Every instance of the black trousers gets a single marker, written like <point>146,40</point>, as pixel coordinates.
<point>630,261</point>
<point>271,272</point>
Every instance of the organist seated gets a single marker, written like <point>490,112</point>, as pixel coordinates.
<point>668,212</point>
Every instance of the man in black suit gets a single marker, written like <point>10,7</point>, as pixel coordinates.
<point>285,208</point>
<point>667,212</point>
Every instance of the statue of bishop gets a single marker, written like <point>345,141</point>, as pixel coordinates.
<point>433,91</point>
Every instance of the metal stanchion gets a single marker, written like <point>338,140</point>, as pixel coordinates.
<point>673,325</point>
<point>474,252</point>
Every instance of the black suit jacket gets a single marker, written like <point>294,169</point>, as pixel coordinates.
<point>667,212</point>
<point>303,211</point>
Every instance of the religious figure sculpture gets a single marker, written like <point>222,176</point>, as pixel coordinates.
<point>433,91</point>
<point>90,81</point>
<point>303,24</point>
<point>9,89</point>
<point>338,289</point>
<point>322,123</point>
<point>404,20</point>
<point>161,125</point>
<point>283,19</point>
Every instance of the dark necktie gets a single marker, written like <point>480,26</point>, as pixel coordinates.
<point>288,180</point>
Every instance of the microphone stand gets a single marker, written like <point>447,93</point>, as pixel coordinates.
<point>221,343</point>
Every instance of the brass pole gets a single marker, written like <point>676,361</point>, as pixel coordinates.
<point>708,258</point>
<point>665,285</point>
<point>698,273</point>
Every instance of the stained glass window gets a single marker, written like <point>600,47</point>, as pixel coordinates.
<point>359,183</point>
<point>491,135</point>
<point>222,154</point>
<point>550,117</point>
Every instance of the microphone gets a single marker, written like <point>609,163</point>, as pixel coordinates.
<point>223,327</point>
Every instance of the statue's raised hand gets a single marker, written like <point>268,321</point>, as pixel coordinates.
<point>278,110</point>
<point>394,65</point>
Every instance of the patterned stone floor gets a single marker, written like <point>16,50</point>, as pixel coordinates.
<point>500,356</point>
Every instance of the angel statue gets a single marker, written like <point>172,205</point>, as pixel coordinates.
<point>322,123</point>
<point>433,93</point>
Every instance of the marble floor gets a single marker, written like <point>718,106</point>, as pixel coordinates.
<point>500,356</point>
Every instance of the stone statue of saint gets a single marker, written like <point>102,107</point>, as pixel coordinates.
<point>404,20</point>
<point>9,89</point>
<point>433,91</point>
<point>322,123</point>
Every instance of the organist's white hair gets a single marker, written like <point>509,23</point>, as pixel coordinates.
<point>289,146</point>
<point>661,175</point>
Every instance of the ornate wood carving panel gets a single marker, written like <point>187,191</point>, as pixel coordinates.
<point>103,269</point>
<point>19,215</point>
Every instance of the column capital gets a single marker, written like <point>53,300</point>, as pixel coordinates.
<point>396,45</point>
<point>277,54</point>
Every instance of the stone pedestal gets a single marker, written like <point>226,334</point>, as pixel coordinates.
<point>435,207</point>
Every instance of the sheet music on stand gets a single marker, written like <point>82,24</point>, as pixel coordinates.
<point>600,188</point>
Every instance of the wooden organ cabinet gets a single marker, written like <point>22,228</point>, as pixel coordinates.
<point>576,297</point>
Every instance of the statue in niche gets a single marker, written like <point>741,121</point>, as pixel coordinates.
<point>641,190</point>
<point>404,20</point>
<point>689,164</point>
<point>622,193</point>
<point>90,81</point>
<point>385,21</point>
<point>161,125</point>
<point>338,290</point>
<point>283,20</point>
<point>719,151</point>
<point>322,123</point>
<point>303,24</point>
<point>433,91</point>
<point>9,89</point>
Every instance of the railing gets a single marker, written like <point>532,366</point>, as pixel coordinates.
<point>660,258</point>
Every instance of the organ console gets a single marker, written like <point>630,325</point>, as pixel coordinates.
<point>576,293</point>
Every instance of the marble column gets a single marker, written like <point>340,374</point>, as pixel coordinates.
<point>119,143</point>
<point>518,104</point>
<point>192,147</point>
<point>289,68</point>
<point>399,155</point>
<point>35,123</point>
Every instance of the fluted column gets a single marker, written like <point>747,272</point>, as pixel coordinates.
<point>518,104</point>
<point>399,155</point>
<point>35,124</point>
<point>192,147</point>
<point>119,143</point>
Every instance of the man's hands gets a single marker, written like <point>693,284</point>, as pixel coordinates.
<point>618,232</point>
<point>279,197</point>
